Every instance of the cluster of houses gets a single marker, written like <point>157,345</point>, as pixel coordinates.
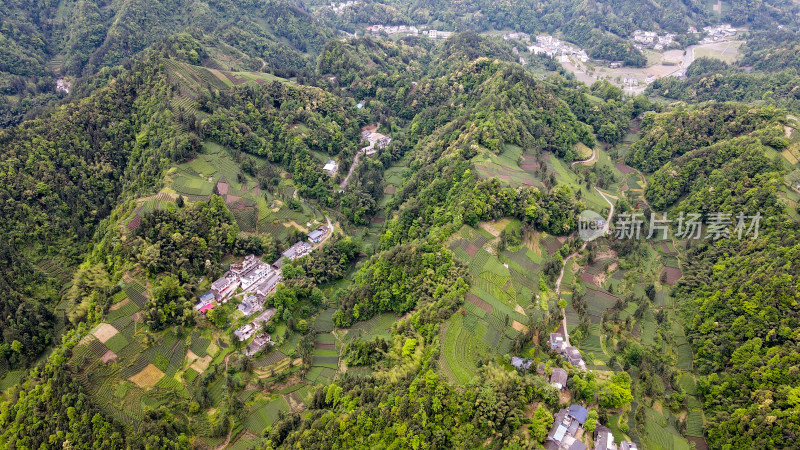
<point>258,279</point>
<point>567,429</point>
<point>567,432</point>
<point>408,30</point>
<point>568,425</point>
<point>651,39</point>
<point>247,331</point>
<point>570,352</point>
<point>555,48</point>
<point>718,33</point>
<point>376,140</point>
<point>338,8</point>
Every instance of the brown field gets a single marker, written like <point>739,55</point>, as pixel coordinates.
<point>105,332</point>
<point>119,305</point>
<point>475,300</point>
<point>471,249</point>
<point>625,169</point>
<point>519,327</point>
<point>588,278</point>
<point>197,363</point>
<point>148,377</point>
<point>108,357</point>
<point>673,275</point>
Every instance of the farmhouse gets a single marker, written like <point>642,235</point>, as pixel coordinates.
<point>258,343</point>
<point>603,439</point>
<point>376,140</point>
<point>264,317</point>
<point>627,445</point>
<point>206,308</point>
<point>331,167</point>
<point>224,287</point>
<point>251,304</point>
<point>521,363</point>
<point>244,333</point>
<point>574,357</point>
<point>317,235</point>
<point>268,285</point>
<point>565,426</point>
<point>298,250</point>
<point>559,378</point>
<point>556,341</point>
<point>248,264</point>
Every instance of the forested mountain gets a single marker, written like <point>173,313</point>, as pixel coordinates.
<point>42,40</point>
<point>244,228</point>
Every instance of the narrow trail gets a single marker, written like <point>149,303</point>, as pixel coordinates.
<point>343,184</point>
<point>606,229</point>
<point>591,159</point>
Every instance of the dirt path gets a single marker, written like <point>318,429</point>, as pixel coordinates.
<point>591,159</point>
<point>606,229</point>
<point>343,184</point>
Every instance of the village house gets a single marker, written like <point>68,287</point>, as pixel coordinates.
<point>269,284</point>
<point>245,332</point>
<point>521,363</point>
<point>574,357</point>
<point>437,34</point>
<point>299,249</point>
<point>256,275</point>
<point>556,341</point>
<point>331,167</point>
<point>558,378</point>
<point>603,439</point>
<point>627,445</point>
<point>263,317</point>
<point>241,268</point>
<point>224,287</point>
<point>317,235</point>
<point>567,423</point>
<point>251,305</point>
<point>258,344</point>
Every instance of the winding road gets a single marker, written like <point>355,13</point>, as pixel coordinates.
<point>606,229</point>
<point>592,159</point>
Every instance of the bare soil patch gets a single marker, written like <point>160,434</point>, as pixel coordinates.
<point>148,377</point>
<point>105,332</point>
<point>673,275</point>
<point>108,357</point>
<point>119,305</point>
<point>519,327</point>
<point>475,300</point>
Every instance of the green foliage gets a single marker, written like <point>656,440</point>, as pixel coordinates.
<point>441,415</point>
<point>169,305</point>
<point>672,134</point>
<point>401,279</point>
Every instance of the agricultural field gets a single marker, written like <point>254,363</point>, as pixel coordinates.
<point>521,169</point>
<point>193,79</point>
<point>255,210</point>
<point>661,433</point>
<point>500,304</point>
